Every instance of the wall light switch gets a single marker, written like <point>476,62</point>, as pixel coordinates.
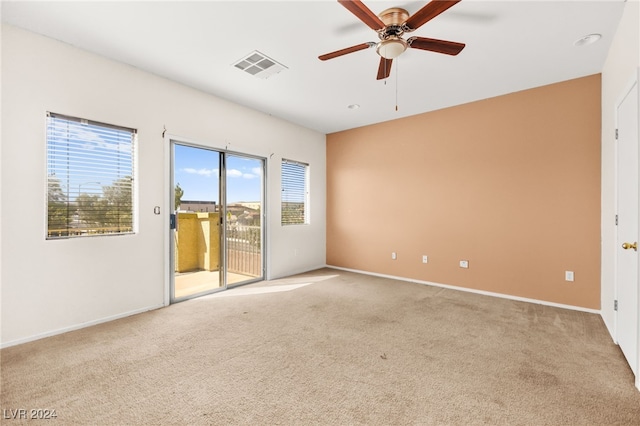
<point>425,259</point>
<point>464,263</point>
<point>393,256</point>
<point>568,275</point>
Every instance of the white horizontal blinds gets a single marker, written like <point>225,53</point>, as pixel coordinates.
<point>294,192</point>
<point>90,169</point>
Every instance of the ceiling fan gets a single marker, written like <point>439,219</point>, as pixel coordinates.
<point>390,25</point>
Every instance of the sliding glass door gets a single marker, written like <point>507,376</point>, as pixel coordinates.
<point>216,227</point>
<point>243,231</point>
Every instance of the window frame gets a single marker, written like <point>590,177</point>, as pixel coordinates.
<point>305,218</point>
<point>121,183</point>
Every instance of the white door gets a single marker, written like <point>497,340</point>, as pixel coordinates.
<point>627,231</point>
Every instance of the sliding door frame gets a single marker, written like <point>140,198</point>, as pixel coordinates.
<point>169,246</point>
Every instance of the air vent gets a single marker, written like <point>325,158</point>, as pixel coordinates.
<point>259,65</point>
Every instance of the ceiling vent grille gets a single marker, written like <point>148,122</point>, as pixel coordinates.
<point>259,65</point>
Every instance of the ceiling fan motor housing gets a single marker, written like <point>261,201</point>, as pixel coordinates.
<point>391,43</point>
<point>393,19</point>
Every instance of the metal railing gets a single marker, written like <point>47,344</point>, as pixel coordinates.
<point>244,250</point>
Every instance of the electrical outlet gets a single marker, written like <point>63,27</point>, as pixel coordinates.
<point>425,259</point>
<point>464,264</point>
<point>394,256</point>
<point>568,275</point>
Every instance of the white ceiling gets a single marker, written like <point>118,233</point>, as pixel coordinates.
<point>511,46</point>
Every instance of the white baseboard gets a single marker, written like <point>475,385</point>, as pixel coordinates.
<point>77,326</point>
<point>471,290</point>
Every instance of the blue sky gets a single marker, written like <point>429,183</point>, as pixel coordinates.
<point>84,157</point>
<point>197,170</point>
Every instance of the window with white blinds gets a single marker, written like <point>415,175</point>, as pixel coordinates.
<point>295,193</point>
<point>90,178</point>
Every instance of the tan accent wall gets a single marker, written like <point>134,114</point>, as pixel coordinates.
<point>511,184</point>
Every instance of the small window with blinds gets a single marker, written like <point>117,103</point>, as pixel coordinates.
<point>90,178</point>
<point>295,193</point>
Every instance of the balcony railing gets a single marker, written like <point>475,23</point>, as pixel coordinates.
<point>243,250</point>
<point>198,245</point>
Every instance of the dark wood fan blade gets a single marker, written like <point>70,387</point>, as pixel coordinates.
<point>433,45</point>
<point>384,69</point>
<point>363,13</point>
<point>344,51</point>
<point>428,12</point>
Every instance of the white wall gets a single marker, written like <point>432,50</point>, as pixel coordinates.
<point>621,66</point>
<point>57,285</point>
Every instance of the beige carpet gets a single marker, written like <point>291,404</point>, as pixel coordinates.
<point>345,349</point>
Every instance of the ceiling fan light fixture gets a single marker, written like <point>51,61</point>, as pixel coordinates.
<point>391,48</point>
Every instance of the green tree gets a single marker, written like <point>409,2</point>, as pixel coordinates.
<point>112,209</point>
<point>91,210</point>
<point>179,192</point>
<point>118,203</point>
<point>292,213</point>
<point>57,208</point>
